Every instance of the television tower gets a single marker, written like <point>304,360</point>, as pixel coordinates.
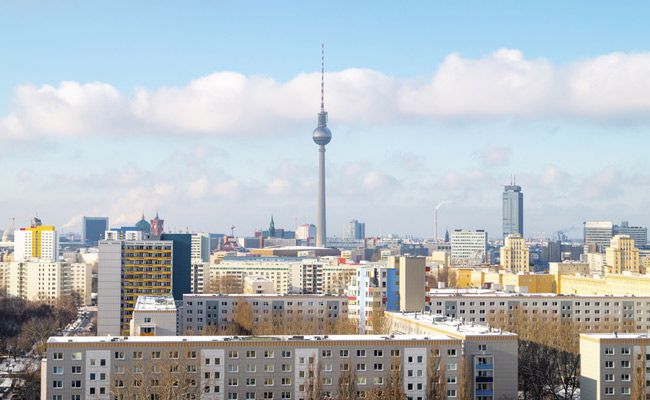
<point>322,136</point>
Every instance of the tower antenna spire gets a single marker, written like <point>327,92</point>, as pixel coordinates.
<point>322,77</point>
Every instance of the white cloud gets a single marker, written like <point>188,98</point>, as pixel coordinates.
<point>504,84</point>
<point>496,156</point>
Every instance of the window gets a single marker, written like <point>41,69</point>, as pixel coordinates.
<point>269,354</point>
<point>76,384</point>
<point>233,382</point>
<point>268,381</point>
<point>76,369</point>
<point>57,370</point>
<point>250,381</point>
<point>609,364</point>
<point>57,356</point>
<point>361,353</point>
<point>378,353</point>
<point>482,347</point>
<point>625,350</point>
<point>625,377</point>
<point>119,355</point>
<point>250,354</point>
<point>625,364</point>
<point>451,392</point>
<point>233,354</point>
<point>286,354</point>
<point>609,391</point>
<point>451,352</point>
<point>76,355</point>
<point>609,377</point>
<point>344,353</point>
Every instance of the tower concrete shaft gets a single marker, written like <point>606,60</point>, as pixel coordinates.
<point>321,230</point>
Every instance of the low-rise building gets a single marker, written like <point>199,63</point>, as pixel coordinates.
<point>217,312</point>
<point>614,366</point>
<point>258,285</point>
<point>274,367</point>
<point>589,313</point>
<point>154,316</point>
<point>489,356</point>
<point>46,281</point>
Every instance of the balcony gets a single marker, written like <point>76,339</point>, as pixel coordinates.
<point>482,367</point>
<point>484,392</point>
<point>484,379</point>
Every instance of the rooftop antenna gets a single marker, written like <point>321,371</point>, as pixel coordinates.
<point>322,77</point>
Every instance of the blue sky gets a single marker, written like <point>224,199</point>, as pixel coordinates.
<point>434,101</point>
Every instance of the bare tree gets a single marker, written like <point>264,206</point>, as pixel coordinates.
<point>378,322</point>
<point>549,358</point>
<point>347,385</point>
<point>639,391</point>
<point>243,321</point>
<point>173,378</point>
<point>313,380</point>
<point>225,283</point>
<point>436,377</point>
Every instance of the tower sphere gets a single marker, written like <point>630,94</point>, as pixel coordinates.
<point>322,135</point>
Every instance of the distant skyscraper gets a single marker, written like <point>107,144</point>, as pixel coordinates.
<point>355,230</point>
<point>513,210</point>
<point>468,247</point>
<point>638,233</point>
<point>597,235</point>
<point>322,136</point>
<point>93,229</point>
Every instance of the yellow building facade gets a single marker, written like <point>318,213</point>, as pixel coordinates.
<point>515,255</point>
<point>621,256</point>
<point>609,284</point>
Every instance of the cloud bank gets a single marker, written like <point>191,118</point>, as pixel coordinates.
<point>504,84</point>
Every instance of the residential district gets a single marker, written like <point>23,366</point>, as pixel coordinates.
<point>137,312</point>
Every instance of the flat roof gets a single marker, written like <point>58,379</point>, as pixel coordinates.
<point>453,326</point>
<point>155,303</point>
<point>263,295</point>
<point>483,293</point>
<point>200,339</point>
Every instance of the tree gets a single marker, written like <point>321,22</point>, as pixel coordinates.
<point>436,377</point>
<point>34,334</point>
<point>226,284</point>
<point>639,391</point>
<point>313,380</point>
<point>379,323</point>
<point>173,378</point>
<point>347,385</point>
<point>464,380</point>
<point>243,321</point>
<point>549,360</point>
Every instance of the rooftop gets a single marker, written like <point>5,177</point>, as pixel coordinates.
<point>454,327</point>
<point>263,295</point>
<point>155,303</point>
<point>202,339</point>
<point>481,293</point>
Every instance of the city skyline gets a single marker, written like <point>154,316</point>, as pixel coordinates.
<point>115,136</point>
